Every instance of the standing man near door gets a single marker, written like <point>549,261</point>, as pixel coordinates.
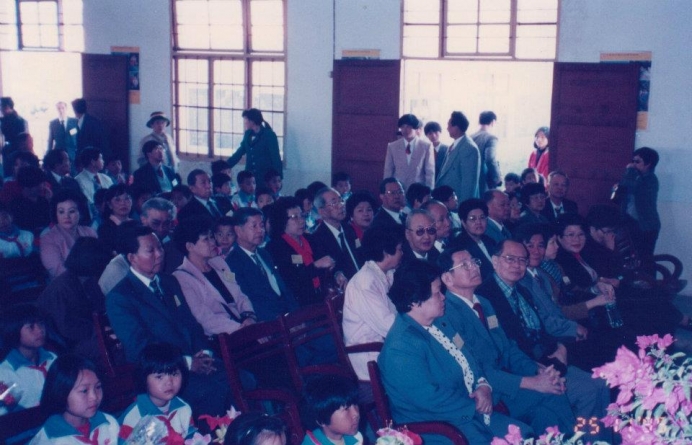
<point>11,126</point>
<point>410,159</point>
<point>90,130</point>
<point>62,133</point>
<point>461,167</point>
<point>490,176</point>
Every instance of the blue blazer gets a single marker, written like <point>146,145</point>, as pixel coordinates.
<point>145,176</point>
<point>465,242</point>
<point>462,169</point>
<point>268,305</point>
<point>139,318</point>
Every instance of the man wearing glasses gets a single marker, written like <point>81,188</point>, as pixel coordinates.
<point>518,315</point>
<point>533,393</point>
<point>333,238</point>
<point>473,214</point>
<point>420,237</point>
<point>393,202</point>
<point>556,203</point>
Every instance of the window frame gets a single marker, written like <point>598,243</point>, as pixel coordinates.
<point>18,26</point>
<point>443,34</point>
<point>246,55</point>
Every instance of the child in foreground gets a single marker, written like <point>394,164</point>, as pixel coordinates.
<point>161,374</point>
<point>330,412</point>
<point>71,397</point>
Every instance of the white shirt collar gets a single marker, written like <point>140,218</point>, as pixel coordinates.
<point>394,215</point>
<point>466,300</point>
<point>146,280</point>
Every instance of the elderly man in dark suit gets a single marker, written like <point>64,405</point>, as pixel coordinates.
<point>519,316</point>
<point>254,269</point>
<point>154,176</point>
<point>62,132</point>
<point>420,237</point>
<point>393,202</point>
<point>462,164</point>
<point>556,203</point>
<point>490,176</point>
<point>201,203</point>
<point>146,308</point>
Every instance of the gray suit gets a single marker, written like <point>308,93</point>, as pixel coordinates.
<point>461,168</point>
<point>421,168</point>
<point>490,176</point>
<point>495,233</point>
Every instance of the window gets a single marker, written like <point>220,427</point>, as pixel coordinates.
<point>491,29</point>
<point>41,25</point>
<point>229,55</point>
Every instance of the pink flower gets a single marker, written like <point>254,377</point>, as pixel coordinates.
<point>514,435</point>
<point>622,370</point>
<point>198,439</point>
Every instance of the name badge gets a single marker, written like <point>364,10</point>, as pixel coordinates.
<point>492,322</point>
<point>177,301</point>
<point>174,182</point>
<point>228,275</point>
<point>458,341</point>
<point>297,259</point>
<point>565,279</point>
<point>73,131</point>
<point>357,243</point>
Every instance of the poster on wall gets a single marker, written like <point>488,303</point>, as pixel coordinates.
<point>644,60</point>
<point>132,53</point>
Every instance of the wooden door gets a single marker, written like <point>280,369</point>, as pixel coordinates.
<point>366,110</point>
<point>593,125</point>
<point>104,85</point>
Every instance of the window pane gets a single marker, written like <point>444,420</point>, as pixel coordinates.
<point>49,36</point>
<point>226,20</point>
<point>72,12</point>
<point>461,39</point>
<point>193,36</point>
<point>462,11</point>
<point>536,42</point>
<point>229,103</point>
<point>267,19</point>
<point>191,12</point>
<point>211,24</point>
<point>29,13</point>
<point>537,11</point>
<point>421,41</point>
<point>48,13</point>
<point>422,11</point>
<point>268,85</point>
<point>495,11</point>
<point>193,70</point>
<point>493,39</point>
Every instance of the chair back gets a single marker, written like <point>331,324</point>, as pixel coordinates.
<point>111,350</point>
<point>378,392</point>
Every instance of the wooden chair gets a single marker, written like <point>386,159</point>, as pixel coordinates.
<point>335,308</point>
<point>382,404</point>
<point>118,376</point>
<point>261,349</point>
<point>25,421</point>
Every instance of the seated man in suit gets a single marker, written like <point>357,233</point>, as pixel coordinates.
<point>332,237</point>
<point>443,223</point>
<point>410,159</point>
<point>154,176</point>
<point>428,372</point>
<point>533,393</point>
<point>392,197</point>
<point>517,313</point>
<point>146,308</point>
<point>201,202</point>
<point>556,203</point>
<point>474,218</point>
<point>498,214</point>
<point>420,237</point>
<point>91,179</point>
<point>254,269</point>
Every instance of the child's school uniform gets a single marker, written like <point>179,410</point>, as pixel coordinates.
<point>240,200</point>
<point>317,437</point>
<point>27,375</point>
<point>17,243</point>
<point>178,418</point>
<point>103,430</point>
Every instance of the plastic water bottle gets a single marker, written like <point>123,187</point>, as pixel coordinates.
<point>614,317</point>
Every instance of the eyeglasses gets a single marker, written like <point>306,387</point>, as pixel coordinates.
<point>514,260</point>
<point>423,230</point>
<point>637,161</point>
<point>334,204</point>
<point>394,192</point>
<point>575,235</point>
<point>476,218</point>
<point>296,216</point>
<point>473,263</point>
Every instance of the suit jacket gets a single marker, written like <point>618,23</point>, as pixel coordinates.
<point>422,166</point>
<point>92,134</point>
<point>324,243</point>
<point>465,242</point>
<point>494,233</point>
<point>432,256</point>
<point>490,176</point>
<point>440,159</point>
<point>528,217</point>
<point>461,169</point>
<point>139,318</point>
<point>261,151</point>
<point>195,207</point>
<point>145,176</point>
<point>568,206</point>
<point>63,137</point>
<point>384,219</point>
<point>209,308</point>
<point>297,276</point>
<point>267,304</point>
<point>512,323</point>
<point>644,189</point>
<point>556,324</point>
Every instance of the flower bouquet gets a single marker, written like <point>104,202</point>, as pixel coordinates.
<point>402,436</point>
<point>219,424</point>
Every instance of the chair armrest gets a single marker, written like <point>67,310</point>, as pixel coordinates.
<point>364,347</point>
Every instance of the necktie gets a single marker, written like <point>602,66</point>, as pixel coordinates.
<point>257,261</point>
<point>408,148</point>
<point>506,233</point>
<point>481,315</point>
<point>342,241</point>
<point>62,124</point>
<point>212,209</point>
<point>402,218</point>
<point>154,286</point>
<point>97,182</point>
<point>159,172</point>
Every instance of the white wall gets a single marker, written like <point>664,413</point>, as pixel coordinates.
<point>145,24</point>
<point>589,27</point>
<point>369,24</point>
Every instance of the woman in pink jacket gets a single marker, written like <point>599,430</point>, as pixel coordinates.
<point>208,285</point>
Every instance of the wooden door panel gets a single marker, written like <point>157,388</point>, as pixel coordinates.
<point>593,125</point>
<point>104,85</point>
<point>366,110</point>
